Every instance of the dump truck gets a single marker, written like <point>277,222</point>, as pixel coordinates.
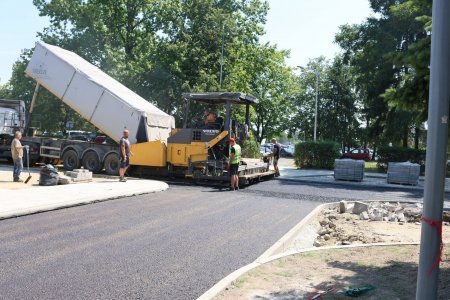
<point>158,147</point>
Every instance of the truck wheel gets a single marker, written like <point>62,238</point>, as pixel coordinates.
<point>112,164</point>
<point>70,160</point>
<point>92,162</point>
<point>25,162</point>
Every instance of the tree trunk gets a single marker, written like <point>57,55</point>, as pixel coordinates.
<point>405,137</point>
<point>417,137</point>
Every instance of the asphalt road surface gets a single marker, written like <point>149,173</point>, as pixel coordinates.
<point>169,245</point>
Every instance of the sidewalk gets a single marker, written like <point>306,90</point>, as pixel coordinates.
<point>19,199</point>
<point>327,176</point>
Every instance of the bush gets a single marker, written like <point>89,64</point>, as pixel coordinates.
<point>250,149</point>
<point>388,154</point>
<point>319,155</point>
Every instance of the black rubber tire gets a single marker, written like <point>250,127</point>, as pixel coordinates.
<point>112,164</point>
<point>92,162</point>
<point>25,164</point>
<point>70,160</point>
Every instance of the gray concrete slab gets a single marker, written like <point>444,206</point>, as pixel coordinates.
<point>18,202</point>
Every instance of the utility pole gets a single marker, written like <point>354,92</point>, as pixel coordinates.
<point>430,244</point>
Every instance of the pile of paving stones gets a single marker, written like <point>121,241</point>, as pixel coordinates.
<point>384,211</point>
<point>77,175</point>
<point>329,232</point>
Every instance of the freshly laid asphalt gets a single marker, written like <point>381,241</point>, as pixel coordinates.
<point>169,245</point>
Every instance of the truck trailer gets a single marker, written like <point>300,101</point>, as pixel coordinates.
<point>158,147</point>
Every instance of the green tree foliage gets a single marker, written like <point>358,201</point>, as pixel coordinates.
<point>271,81</point>
<point>390,55</point>
<point>162,48</point>
<point>400,154</point>
<point>338,105</point>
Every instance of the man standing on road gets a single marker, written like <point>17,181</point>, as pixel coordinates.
<point>124,155</point>
<point>276,156</point>
<point>17,154</point>
<point>235,158</point>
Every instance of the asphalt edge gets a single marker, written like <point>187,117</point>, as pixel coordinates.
<point>292,233</point>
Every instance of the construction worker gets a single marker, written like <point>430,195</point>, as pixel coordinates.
<point>235,158</point>
<point>125,153</point>
<point>276,156</point>
<point>17,154</point>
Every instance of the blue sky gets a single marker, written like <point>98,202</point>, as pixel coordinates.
<point>306,27</point>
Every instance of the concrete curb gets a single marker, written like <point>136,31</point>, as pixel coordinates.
<point>84,200</point>
<point>291,234</point>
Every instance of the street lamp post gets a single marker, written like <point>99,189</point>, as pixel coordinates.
<point>316,72</point>
<point>315,113</point>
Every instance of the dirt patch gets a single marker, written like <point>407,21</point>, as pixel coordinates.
<point>392,269</point>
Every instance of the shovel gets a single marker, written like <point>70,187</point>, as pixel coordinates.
<point>28,164</point>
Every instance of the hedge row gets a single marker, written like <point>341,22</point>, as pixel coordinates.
<point>319,155</point>
<point>388,154</point>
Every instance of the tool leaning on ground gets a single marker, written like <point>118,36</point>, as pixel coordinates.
<point>319,294</point>
<point>354,293</point>
<point>27,148</point>
<point>359,291</point>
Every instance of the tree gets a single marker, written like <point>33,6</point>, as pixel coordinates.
<point>161,49</point>
<point>337,102</point>
<point>389,55</point>
<point>264,74</point>
<point>340,106</point>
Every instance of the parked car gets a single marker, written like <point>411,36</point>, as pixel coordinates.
<point>80,137</point>
<point>74,133</point>
<point>287,151</point>
<point>358,154</point>
<point>265,149</point>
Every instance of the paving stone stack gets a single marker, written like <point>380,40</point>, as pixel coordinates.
<point>403,173</point>
<point>80,175</point>
<point>348,169</point>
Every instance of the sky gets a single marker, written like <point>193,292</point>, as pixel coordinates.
<point>305,27</point>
